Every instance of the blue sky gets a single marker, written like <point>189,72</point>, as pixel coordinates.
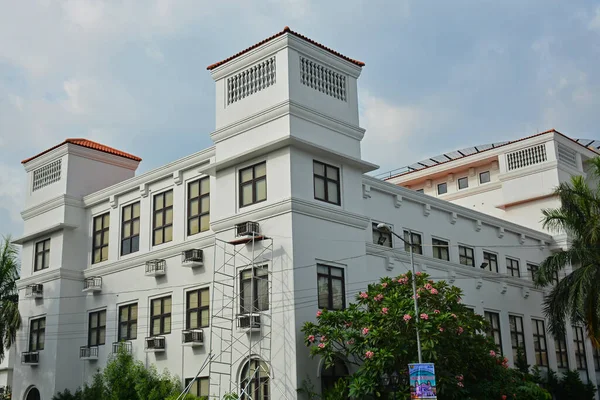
<point>439,76</point>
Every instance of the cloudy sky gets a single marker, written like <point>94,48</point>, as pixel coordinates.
<point>440,75</point>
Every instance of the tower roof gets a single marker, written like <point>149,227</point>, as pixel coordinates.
<point>90,145</point>
<point>291,32</point>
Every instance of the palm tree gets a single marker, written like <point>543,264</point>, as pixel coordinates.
<point>577,296</point>
<point>10,319</point>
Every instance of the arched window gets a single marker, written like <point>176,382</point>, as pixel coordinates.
<point>329,376</point>
<point>33,394</point>
<point>255,380</point>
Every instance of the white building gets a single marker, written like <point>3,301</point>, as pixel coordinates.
<point>228,244</point>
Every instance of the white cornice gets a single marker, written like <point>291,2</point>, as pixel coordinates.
<point>488,187</point>
<point>43,232</point>
<point>533,169</point>
<point>107,268</point>
<point>46,158</point>
<point>49,276</point>
<point>282,109</point>
<point>450,208</point>
<point>186,163</point>
<point>55,202</point>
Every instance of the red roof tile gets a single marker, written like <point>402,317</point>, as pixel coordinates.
<point>285,30</point>
<point>90,145</point>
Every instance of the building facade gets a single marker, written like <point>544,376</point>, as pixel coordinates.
<point>209,266</point>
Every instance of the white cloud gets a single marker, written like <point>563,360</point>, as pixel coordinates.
<point>595,21</point>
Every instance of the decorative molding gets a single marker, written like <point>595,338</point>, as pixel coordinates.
<point>390,262</point>
<point>504,288</point>
<point>525,292</point>
<point>451,277</point>
<point>428,183</point>
<point>49,275</point>
<point>479,283</point>
<point>178,177</point>
<point>478,225</point>
<point>488,187</point>
<point>426,209</point>
<point>453,218</point>
<point>144,190</point>
<point>495,165</point>
<point>366,191</point>
<point>113,201</point>
<point>397,200</point>
<point>542,245</point>
<point>43,232</point>
<point>522,238</point>
<point>500,232</point>
<point>471,171</point>
<point>450,177</point>
<point>51,204</point>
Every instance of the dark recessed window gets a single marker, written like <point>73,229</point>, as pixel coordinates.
<point>130,229</point>
<point>42,255</point>
<point>381,238</point>
<point>466,256</point>
<point>492,261</point>
<point>160,317</point>
<point>517,335</point>
<point>253,184</point>
<point>37,334</point>
<point>539,343</point>
<point>420,191</point>
<point>197,310</point>
<point>440,249</point>
<point>163,218</point>
<point>532,270</point>
<point>330,376</point>
<point>463,183</point>
<point>484,177</point>
<point>100,239</point>
<point>442,188</point>
<point>128,315</point>
<point>331,287</point>
<point>494,328</point>
<point>199,388</point>
<point>512,267</point>
<point>579,341</point>
<point>254,290</point>
<point>327,182</point>
<point>97,328</point>
<point>416,242</point>
<point>562,357</point>
<point>198,206</point>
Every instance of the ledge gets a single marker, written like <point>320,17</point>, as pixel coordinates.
<point>43,232</point>
<point>50,275</point>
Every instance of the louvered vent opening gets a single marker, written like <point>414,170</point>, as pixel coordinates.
<point>567,155</point>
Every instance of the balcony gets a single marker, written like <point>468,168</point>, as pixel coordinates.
<point>88,352</point>
<point>248,322</point>
<point>192,258</point>
<point>30,358</point>
<point>118,347</point>
<point>192,337</point>
<point>247,228</point>
<point>156,267</point>
<point>92,284</point>
<point>35,291</point>
<point>155,344</point>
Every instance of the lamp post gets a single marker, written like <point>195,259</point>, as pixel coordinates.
<point>391,383</point>
<point>387,229</point>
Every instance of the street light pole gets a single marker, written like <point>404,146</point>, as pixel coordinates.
<point>386,228</point>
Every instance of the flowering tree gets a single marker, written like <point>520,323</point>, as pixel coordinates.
<point>377,335</point>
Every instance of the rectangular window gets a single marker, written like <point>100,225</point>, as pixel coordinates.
<point>37,334</point>
<point>100,241</point>
<point>463,183</point>
<point>381,238</point>
<point>484,177</point>
<point>326,182</point>
<point>420,191</point>
<point>97,328</point>
<point>442,188</point>
<point>196,309</point>
<point>579,340</point>
<point>331,287</point>
<point>160,317</point>
<point>494,328</point>
<point>440,249</point>
<point>466,256</point>
<point>539,343</point>
<point>253,184</point>
<point>517,336</point>
<point>130,229</point>
<point>562,358</point>
<point>199,388</point>
<point>492,261</point>
<point>416,241</point>
<point>512,267</point>
<point>163,218</point>
<point>42,255</point>
<point>199,206</point>
<point>532,270</point>
<point>128,315</point>
<point>596,359</point>
<point>254,290</point>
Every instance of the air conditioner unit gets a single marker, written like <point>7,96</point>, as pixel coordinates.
<point>92,284</point>
<point>155,344</point>
<point>192,258</point>
<point>35,291</point>
<point>156,267</point>
<point>248,322</point>
<point>117,347</point>
<point>192,337</point>
<point>247,228</point>
<point>88,352</point>
<point>30,358</point>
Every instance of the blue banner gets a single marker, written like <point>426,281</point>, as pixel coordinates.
<point>422,381</point>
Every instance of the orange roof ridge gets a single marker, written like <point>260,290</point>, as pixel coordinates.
<point>284,31</point>
<point>88,144</point>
